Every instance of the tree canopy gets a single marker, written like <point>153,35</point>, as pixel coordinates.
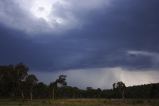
<point>15,82</point>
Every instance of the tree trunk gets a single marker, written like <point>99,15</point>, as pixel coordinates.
<point>123,94</point>
<point>31,96</point>
<point>22,94</point>
<point>53,93</point>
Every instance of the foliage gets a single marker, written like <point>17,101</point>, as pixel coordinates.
<point>15,82</point>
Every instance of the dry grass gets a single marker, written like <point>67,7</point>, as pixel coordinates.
<point>81,102</point>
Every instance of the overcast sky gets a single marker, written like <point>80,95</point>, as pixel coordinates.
<point>93,42</point>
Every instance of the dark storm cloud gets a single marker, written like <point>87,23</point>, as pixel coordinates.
<point>104,41</point>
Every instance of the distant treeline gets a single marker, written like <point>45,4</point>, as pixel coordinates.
<point>15,82</point>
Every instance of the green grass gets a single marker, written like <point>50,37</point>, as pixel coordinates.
<point>81,102</point>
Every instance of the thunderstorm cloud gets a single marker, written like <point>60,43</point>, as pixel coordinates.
<point>110,40</point>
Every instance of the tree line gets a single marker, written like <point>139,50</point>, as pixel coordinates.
<point>16,82</point>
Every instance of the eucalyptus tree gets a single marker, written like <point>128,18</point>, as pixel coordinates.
<point>31,81</point>
<point>7,84</point>
<point>61,81</point>
<point>20,74</point>
<point>120,86</point>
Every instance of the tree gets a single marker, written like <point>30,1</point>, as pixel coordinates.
<point>61,81</point>
<point>41,90</point>
<point>120,86</point>
<point>154,91</point>
<point>20,73</point>
<point>7,81</point>
<point>52,87</point>
<point>31,81</point>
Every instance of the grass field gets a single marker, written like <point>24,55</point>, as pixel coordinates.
<point>80,102</point>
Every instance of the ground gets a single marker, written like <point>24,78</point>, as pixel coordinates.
<point>80,102</point>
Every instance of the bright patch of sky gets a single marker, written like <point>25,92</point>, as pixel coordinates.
<point>102,77</point>
<point>36,16</point>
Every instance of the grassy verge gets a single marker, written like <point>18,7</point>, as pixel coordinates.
<point>81,102</point>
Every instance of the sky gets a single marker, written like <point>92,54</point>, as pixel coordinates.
<point>94,42</point>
